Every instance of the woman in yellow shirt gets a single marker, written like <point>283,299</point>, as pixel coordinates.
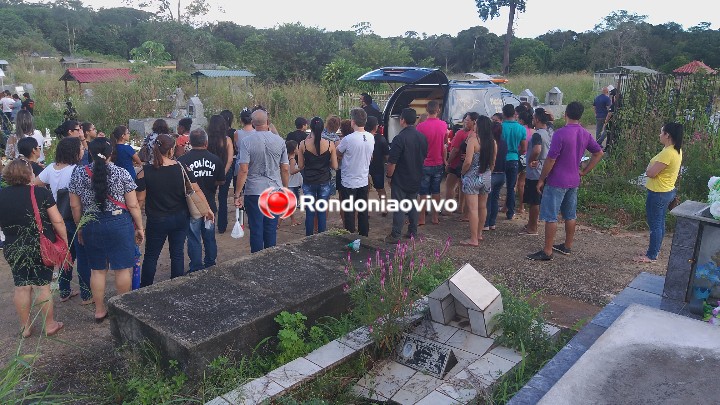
<point>662,173</point>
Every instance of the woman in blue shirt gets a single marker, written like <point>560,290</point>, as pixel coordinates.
<point>123,154</point>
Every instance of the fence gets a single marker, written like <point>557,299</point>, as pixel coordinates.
<point>347,102</point>
<point>650,101</point>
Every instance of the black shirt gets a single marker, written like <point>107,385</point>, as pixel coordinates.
<point>208,170</point>
<point>382,149</point>
<point>408,151</point>
<point>298,136</point>
<point>36,168</point>
<point>373,112</point>
<point>231,135</point>
<point>28,104</point>
<point>17,216</point>
<point>165,187</point>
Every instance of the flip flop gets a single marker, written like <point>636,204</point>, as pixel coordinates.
<point>59,328</point>
<point>87,302</point>
<point>463,220</point>
<point>72,294</point>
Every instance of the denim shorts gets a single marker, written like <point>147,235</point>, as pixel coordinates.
<point>110,241</point>
<point>554,200</point>
<point>431,179</point>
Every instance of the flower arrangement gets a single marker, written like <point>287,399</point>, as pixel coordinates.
<point>385,290</point>
<point>714,197</point>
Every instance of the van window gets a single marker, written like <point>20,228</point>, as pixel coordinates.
<point>485,101</point>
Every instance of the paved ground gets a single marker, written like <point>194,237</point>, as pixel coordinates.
<point>573,287</point>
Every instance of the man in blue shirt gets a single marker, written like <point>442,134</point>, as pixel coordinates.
<point>601,106</point>
<point>516,137</point>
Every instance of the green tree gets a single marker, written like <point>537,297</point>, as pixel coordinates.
<point>621,40</point>
<point>151,53</point>
<point>491,9</point>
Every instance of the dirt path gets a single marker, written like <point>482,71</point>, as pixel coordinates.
<point>574,287</point>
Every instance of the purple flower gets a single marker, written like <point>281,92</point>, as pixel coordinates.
<point>405,294</point>
<point>370,329</point>
<point>382,299</point>
<point>377,256</point>
<point>346,271</point>
<point>348,257</point>
<point>382,282</point>
<point>346,288</point>
<point>357,278</point>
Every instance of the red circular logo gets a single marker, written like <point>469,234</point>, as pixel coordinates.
<point>277,202</point>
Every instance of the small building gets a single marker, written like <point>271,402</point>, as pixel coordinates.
<point>4,65</point>
<point>693,67</point>
<point>95,75</point>
<point>219,73</point>
<point>610,76</point>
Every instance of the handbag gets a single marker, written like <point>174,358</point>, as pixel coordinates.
<point>196,204</point>
<point>52,253</point>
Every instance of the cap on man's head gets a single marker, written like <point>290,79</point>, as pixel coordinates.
<point>300,122</point>
<point>610,87</point>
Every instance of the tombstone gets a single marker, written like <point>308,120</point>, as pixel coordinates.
<point>196,111</point>
<point>425,355</point>
<point>28,88</point>
<point>89,94</point>
<point>528,96</point>
<point>180,102</point>
<point>469,295</point>
<point>554,96</point>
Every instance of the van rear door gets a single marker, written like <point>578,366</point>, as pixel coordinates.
<point>406,75</point>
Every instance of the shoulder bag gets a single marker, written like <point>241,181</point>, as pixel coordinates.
<point>196,204</point>
<point>52,253</point>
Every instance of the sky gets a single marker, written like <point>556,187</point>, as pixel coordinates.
<point>394,18</point>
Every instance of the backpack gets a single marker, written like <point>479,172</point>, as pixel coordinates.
<point>145,152</point>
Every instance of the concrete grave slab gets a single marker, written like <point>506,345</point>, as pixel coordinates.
<point>435,331</point>
<point>416,388</point>
<point>330,354</point>
<point>230,308</point>
<point>463,387</point>
<point>467,341</point>
<point>479,299</point>
<point>490,367</point>
<point>254,392</point>
<point>387,378</point>
<point>646,356</point>
<point>295,372</point>
<point>437,398</point>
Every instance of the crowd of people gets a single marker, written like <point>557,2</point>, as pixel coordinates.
<point>94,193</point>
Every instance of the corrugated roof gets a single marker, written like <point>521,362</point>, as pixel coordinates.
<point>695,67</point>
<point>97,75</point>
<point>223,73</point>
<point>626,69</point>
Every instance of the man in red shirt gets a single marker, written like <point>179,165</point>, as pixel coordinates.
<point>435,131</point>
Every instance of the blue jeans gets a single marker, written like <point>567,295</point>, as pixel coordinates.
<point>263,230</point>
<point>319,192</point>
<point>222,196</point>
<point>174,228</point>
<point>497,182</point>
<point>81,264</point>
<point>431,179</point>
<point>656,205</point>
<point>556,199</point>
<point>199,236</point>
<point>512,167</point>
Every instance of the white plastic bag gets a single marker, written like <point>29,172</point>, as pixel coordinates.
<point>238,231</point>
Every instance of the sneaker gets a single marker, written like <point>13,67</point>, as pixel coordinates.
<point>562,249</point>
<point>540,256</point>
<point>391,239</point>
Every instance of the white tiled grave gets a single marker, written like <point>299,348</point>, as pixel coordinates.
<point>479,366</point>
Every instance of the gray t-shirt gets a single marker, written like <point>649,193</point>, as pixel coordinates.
<point>264,152</point>
<point>542,137</point>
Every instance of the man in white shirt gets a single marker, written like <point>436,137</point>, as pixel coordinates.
<point>356,150</point>
<point>7,106</point>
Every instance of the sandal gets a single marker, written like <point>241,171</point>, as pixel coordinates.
<point>72,294</point>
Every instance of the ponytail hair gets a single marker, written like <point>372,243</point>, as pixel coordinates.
<point>100,149</point>
<point>117,134</point>
<point>675,131</point>
<point>162,146</point>
<point>483,128</point>
<point>316,127</point>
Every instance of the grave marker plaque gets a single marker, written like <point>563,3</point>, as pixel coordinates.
<point>425,355</point>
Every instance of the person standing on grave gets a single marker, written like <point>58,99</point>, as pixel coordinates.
<point>300,132</point>
<point>662,173</point>
<point>379,159</point>
<point>435,130</point>
<point>515,135</point>
<point>208,170</point>
<point>28,104</point>
<point>601,106</point>
<point>404,169</point>
<point>560,172</point>
<point>262,163</point>
<point>182,144</point>
<point>356,150</point>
